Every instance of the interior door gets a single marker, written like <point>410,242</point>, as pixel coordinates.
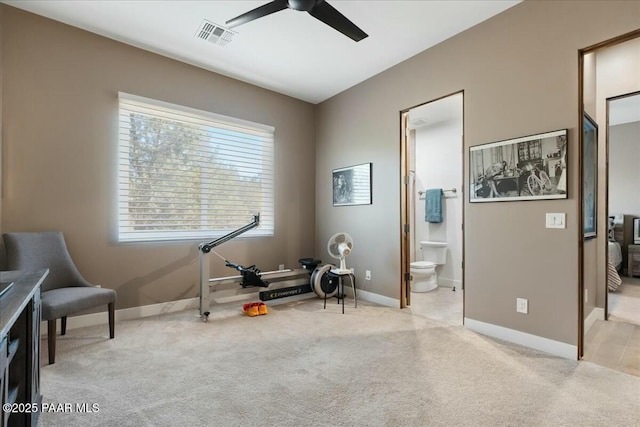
<point>405,244</point>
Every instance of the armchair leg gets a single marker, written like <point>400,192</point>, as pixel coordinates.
<point>51,337</point>
<point>112,320</point>
<point>63,325</point>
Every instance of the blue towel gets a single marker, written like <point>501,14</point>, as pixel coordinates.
<point>433,205</point>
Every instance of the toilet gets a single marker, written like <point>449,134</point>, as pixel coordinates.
<point>423,273</point>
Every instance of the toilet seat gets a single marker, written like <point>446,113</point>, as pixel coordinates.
<point>422,265</point>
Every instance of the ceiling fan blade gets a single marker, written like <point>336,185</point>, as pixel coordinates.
<point>330,16</point>
<point>259,12</point>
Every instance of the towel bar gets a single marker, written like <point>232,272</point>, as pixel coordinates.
<point>452,190</point>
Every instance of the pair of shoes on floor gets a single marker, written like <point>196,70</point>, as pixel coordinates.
<point>252,309</point>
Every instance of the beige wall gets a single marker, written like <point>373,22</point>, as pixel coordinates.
<point>618,73</point>
<point>60,88</point>
<point>519,71</point>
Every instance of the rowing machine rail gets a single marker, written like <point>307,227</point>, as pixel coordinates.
<point>276,279</point>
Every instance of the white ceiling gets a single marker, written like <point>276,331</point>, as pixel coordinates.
<point>624,110</point>
<point>289,52</point>
<point>437,112</point>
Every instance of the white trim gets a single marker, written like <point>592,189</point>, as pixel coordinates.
<point>536,342</point>
<point>192,303</point>
<point>377,298</point>
<point>596,314</point>
<point>126,314</point>
<point>161,308</point>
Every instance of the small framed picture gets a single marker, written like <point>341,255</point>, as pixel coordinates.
<point>352,185</point>
<point>589,177</point>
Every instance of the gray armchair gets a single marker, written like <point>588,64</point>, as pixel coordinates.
<point>64,290</point>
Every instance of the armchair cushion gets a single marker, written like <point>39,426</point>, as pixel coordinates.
<point>30,251</point>
<point>65,301</point>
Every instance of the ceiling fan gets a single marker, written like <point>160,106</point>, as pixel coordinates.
<point>319,9</point>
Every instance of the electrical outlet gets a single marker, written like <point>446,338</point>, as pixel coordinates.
<point>367,275</point>
<point>522,305</point>
<point>586,295</point>
<point>352,270</point>
<point>280,266</point>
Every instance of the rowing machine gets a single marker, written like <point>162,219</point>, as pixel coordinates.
<point>319,281</point>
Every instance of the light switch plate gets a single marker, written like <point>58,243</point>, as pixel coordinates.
<point>556,220</point>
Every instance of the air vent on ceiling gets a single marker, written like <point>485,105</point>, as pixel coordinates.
<point>417,122</point>
<point>214,33</point>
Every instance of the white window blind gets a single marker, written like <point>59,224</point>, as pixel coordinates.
<point>190,174</point>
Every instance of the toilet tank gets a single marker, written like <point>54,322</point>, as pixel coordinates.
<point>435,252</point>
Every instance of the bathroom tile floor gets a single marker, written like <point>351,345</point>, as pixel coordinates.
<point>442,304</point>
<point>624,303</point>
<point>616,343</point>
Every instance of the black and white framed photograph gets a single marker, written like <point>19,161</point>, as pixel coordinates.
<point>352,185</point>
<point>526,168</point>
<point>589,176</point>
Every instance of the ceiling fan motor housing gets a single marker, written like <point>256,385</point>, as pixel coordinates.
<point>302,5</point>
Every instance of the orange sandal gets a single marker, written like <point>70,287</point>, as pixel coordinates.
<point>262,308</point>
<point>250,309</point>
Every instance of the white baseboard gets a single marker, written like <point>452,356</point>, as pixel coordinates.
<point>192,304</point>
<point>378,299</point>
<point>162,308</point>
<point>536,342</point>
<point>596,314</point>
<point>126,314</point>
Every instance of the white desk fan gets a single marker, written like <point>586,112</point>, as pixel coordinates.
<point>326,280</point>
<point>339,247</point>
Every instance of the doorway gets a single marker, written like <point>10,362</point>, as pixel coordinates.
<point>608,74</point>
<point>623,207</point>
<point>432,209</point>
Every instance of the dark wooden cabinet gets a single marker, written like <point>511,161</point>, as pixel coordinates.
<point>634,261</point>
<point>20,312</point>
<point>34,357</point>
<point>3,376</point>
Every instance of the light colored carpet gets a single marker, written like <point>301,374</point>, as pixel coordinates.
<point>301,365</point>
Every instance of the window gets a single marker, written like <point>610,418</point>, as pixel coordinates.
<point>190,174</point>
<point>497,155</point>
<point>530,150</point>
